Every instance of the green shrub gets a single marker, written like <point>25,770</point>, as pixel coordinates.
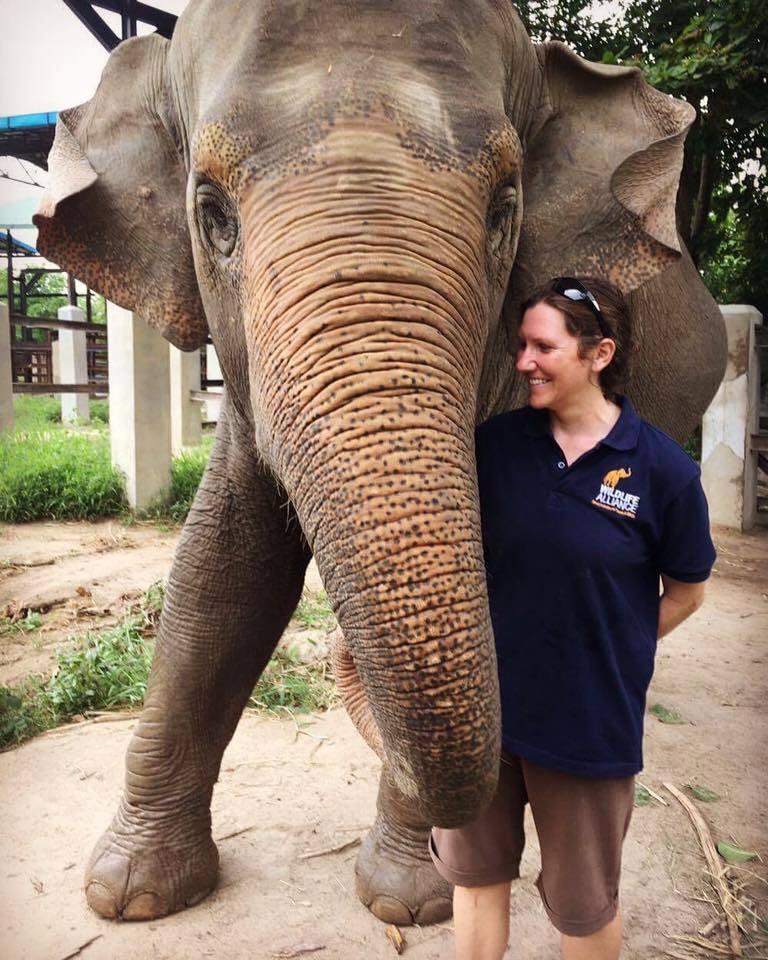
<point>57,475</point>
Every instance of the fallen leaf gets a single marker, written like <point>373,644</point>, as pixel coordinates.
<point>395,938</point>
<point>642,797</point>
<point>733,854</point>
<point>703,793</point>
<point>665,715</point>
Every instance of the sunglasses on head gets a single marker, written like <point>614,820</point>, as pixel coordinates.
<point>575,290</point>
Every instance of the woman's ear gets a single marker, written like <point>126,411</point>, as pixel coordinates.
<point>114,213</point>
<point>600,177</point>
<point>603,354</point>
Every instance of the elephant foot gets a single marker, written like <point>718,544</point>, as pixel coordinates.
<point>141,871</point>
<point>394,874</point>
<point>396,879</point>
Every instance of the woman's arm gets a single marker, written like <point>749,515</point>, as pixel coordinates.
<point>678,601</point>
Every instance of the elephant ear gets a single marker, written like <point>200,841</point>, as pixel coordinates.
<point>601,173</point>
<point>114,212</point>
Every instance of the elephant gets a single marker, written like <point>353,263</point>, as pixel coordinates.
<point>613,477</point>
<point>352,199</point>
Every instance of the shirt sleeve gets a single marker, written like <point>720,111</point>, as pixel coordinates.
<point>686,551</point>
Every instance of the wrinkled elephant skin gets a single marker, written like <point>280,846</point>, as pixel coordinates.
<point>352,198</point>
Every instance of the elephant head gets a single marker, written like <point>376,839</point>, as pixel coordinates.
<point>344,195</point>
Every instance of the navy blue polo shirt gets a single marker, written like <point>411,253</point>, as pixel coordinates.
<point>573,557</point>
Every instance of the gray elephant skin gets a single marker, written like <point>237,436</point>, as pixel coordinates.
<point>352,197</point>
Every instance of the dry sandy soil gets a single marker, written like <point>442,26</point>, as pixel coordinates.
<point>290,789</point>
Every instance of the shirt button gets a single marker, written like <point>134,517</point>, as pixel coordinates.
<point>561,464</point>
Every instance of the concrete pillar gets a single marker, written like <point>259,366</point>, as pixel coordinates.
<point>186,422</point>
<point>73,367</point>
<point>55,361</point>
<point>6,371</point>
<point>728,465</point>
<point>139,406</point>
<point>213,372</point>
<point>212,367</point>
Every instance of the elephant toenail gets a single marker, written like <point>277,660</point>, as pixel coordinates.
<point>145,906</point>
<point>434,911</point>
<point>391,910</point>
<point>101,900</point>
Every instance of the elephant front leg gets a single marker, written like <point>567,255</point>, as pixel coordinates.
<point>394,874</point>
<point>235,581</point>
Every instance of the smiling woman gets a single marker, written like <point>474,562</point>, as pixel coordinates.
<point>572,321</point>
<point>584,507</point>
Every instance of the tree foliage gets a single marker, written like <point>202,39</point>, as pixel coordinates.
<point>46,296</point>
<point>714,54</point>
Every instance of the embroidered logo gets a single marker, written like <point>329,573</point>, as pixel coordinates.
<point>611,498</point>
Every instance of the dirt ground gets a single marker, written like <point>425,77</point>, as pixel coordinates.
<point>289,788</point>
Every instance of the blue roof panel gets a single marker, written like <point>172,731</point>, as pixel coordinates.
<point>19,247</point>
<point>22,120</point>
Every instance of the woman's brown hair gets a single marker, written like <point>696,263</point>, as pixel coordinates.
<point>581,322</point>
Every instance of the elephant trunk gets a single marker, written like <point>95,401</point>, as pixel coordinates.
<point>397,542</point>
<point>365,353</point>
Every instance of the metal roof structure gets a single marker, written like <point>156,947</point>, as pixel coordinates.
<point>132,12</point>
<point>29,136</point>
<point>17,247</point>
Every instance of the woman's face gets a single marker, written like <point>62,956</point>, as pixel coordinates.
<point>548,357</point>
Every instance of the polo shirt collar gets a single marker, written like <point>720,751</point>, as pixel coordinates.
<point>623,435</point>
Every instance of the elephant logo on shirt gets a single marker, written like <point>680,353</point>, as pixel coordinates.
<point>612,478</point>
<point>615,500</point>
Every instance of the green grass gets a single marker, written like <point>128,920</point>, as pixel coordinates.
<point>288,684</point>
<point>35,413</point>
<point>100,672</point>
<point>314,612</point>
<point>110,669</point>
<point>30,622</point>
<point>57,475</point>
<point>186,473</point>
<point>54,471</point>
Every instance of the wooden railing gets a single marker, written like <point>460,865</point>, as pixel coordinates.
<point>32,360</point>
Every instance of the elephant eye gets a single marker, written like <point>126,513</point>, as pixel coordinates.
<point>502,228</point>
<point>217,219</point>
<point>501,214</point>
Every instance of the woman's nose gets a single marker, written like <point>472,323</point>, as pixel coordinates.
<point>524,360</point>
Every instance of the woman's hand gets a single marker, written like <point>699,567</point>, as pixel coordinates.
<point>678,601</point>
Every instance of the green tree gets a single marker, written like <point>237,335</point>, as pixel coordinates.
<point>47,306</point>
<point>714,54</point>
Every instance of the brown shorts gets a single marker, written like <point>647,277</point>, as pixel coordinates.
<point>581,823</point>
